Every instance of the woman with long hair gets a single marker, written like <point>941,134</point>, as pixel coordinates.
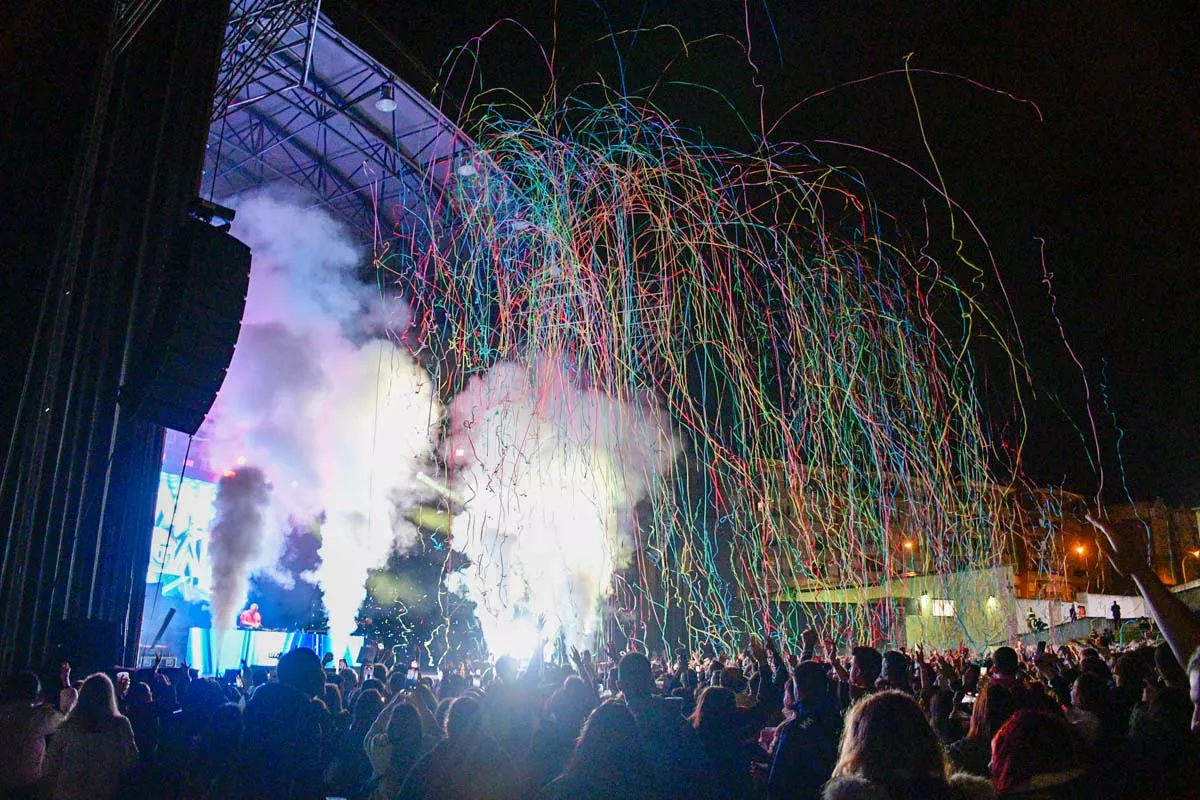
<point>973,753</point>
<point>396,750</point>
<point>608,763</point>
<point>93,747</point>
<point>350,769</point>
<point>720,729</point>
<point>554,740</point>
<point>890,750</point>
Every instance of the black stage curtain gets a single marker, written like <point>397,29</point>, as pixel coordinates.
<point>79,478</point>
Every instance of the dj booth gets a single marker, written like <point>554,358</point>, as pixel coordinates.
<point>212,652</point>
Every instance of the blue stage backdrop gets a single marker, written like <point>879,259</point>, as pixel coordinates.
<point>213,654</point>
<point>179,552</point>
<point>179,579</point>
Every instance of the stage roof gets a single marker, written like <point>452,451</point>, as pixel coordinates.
<point>296,104</point>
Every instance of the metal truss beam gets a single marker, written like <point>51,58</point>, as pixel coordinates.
<point>289,107</point>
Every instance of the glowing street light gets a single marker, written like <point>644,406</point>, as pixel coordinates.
<point>1080,550</point>
<point>908,545</point>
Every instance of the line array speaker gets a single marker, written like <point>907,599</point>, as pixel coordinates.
<point>195,328</point>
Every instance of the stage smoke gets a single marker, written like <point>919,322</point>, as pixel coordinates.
<point>236,540</point>
<point>322,398</point>
<point>549,474</point>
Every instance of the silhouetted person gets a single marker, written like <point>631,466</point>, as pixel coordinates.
<point>554,741</point>
<point>608,763</point>
<point>1115,608</point>
<point>339,717</point>
<point>466,765</point>
<point>1006,665</point>
<point>807,745</point>
<point>866,663</point>
<point>508,707</point>
<point>214,757</point>
<point>720,728</point>
<point>351,768</point>
<point>25,722</point>
<point>181,728</point>
<point>396,751</point>
<point>143,716</point>
<point>973,753</point>
<point>1088,708</point>
<point>897,672</point>
<point>676,757</point>
<point>281,754</point>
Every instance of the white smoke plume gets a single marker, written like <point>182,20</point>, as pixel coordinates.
<point>549,474</point>
<point>337,418</point>
<point>236,540</point>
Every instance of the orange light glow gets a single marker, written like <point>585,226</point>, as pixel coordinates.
<point>908,545</point>
<point>1079,550</point>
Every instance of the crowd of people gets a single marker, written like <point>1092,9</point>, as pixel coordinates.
<point>1067,723</point>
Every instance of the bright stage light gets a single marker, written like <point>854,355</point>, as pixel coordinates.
<point>550,484</point>
<point>515,637</point>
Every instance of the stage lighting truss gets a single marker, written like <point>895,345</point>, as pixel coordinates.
<point>256,30</point>
<point>296,103</point>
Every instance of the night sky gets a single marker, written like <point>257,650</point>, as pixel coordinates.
<point>1108,178</point>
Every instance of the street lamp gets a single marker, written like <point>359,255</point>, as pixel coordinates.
<point>910,570</point>
<point>1183,564</point>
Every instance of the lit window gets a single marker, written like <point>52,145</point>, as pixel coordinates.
<point>943,608</point>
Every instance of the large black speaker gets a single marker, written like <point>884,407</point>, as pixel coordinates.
<point>90,645</point>
<point>195,328</point>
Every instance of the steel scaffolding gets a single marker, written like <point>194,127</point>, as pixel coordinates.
<point>298,104</point>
